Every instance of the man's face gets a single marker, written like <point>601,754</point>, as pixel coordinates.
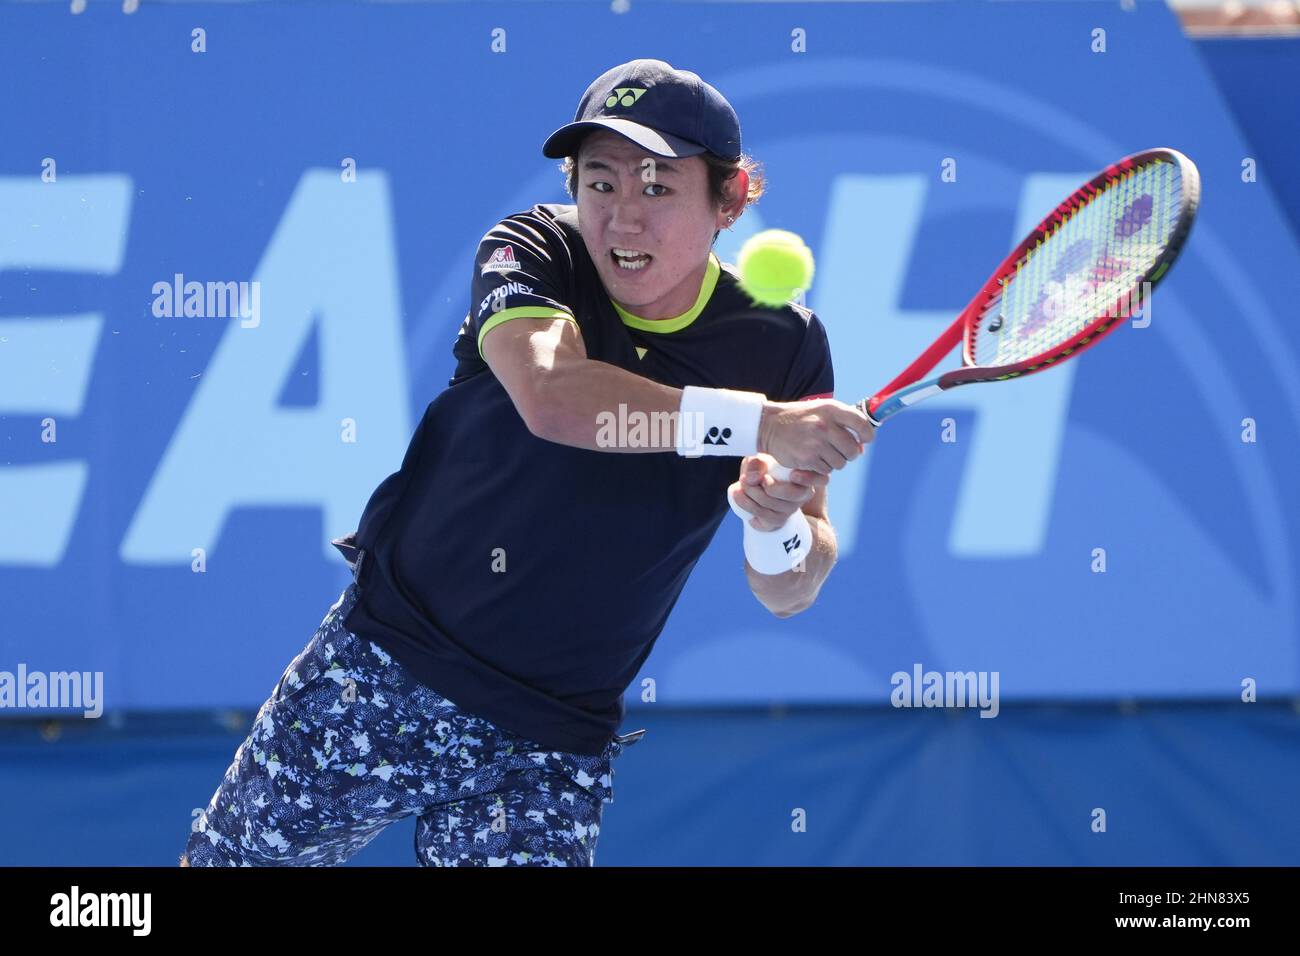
<point>634,201</point>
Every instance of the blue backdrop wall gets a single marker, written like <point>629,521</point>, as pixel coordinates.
<point>182,433</point>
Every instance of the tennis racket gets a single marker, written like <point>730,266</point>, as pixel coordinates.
<point>1073,280</point>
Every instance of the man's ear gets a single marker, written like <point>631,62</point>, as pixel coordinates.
<point>742,185</point>
<point>735,189</point>
<point>739,192</point>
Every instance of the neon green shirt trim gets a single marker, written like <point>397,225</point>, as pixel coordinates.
<point>520,312</point>
<point>676,324</point>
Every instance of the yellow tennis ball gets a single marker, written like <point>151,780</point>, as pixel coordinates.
<point>775,266</point>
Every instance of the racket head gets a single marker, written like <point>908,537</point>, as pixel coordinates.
<point>1080,272</point>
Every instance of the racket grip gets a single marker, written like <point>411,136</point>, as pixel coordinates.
<point>775,552</point>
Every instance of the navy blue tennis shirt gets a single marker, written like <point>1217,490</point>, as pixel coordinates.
<point>525,580</point>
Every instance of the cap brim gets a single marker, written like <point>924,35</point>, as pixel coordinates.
<point>564,141</point>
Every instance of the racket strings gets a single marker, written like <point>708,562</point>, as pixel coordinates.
<point>1037,300</point>
<point>1089,266</point>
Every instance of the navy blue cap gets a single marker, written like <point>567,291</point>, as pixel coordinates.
<point>664,111</point>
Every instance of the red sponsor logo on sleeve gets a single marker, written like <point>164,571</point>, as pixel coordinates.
<point>502,260</point>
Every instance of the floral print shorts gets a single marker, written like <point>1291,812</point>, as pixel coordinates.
<point>348,743</point>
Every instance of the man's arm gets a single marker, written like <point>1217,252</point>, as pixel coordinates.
<point>561,395</point>
<point>794,591</point>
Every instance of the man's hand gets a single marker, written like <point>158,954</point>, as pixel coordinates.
<point>818,435</point>
<point>768,500</point>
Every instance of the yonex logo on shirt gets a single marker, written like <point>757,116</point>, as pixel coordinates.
<point>623,96</point>
<point>499,295</point>
<point>501,260</point>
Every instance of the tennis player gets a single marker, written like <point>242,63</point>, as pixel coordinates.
<point>512,576</point>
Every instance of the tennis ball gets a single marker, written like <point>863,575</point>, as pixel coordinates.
<point>775,266</point>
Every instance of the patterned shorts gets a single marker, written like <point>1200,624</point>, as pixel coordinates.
<point>348,743</point>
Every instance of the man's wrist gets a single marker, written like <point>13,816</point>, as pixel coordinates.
<point>765,427</point>
<point>718,421</point>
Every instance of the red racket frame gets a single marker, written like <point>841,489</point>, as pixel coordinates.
<point>965,325</point>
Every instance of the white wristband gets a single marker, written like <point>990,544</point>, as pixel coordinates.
<point>718,421</point>
<point>775,552</point>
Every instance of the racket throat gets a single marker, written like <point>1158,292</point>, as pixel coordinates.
<point>867,407</point>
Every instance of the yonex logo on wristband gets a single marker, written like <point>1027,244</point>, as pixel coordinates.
<point>791,545</point>
<point>718,421</point>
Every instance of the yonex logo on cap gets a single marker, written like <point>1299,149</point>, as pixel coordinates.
<point>501,260</point>
<point>623,96</point>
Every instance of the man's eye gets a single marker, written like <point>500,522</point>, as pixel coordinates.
<point>600,182</point>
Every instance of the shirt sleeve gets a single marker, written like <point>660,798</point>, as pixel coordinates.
<point>811,373</point>
<point>522,269</point>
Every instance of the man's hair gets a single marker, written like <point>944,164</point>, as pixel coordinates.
<point>720,171</point>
